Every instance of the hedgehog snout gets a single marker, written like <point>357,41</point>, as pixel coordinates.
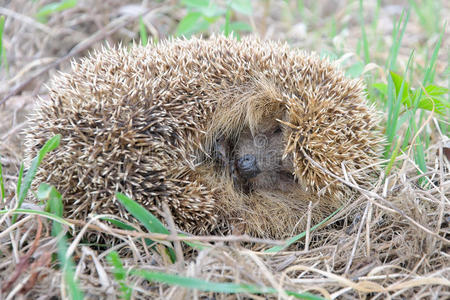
<point>247,166</point>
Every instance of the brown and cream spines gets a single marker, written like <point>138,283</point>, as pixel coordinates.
<point>171,122</point>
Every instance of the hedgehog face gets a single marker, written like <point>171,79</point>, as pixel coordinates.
<point>257,160</point>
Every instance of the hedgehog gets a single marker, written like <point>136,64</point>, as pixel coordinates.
<point>228,133</point>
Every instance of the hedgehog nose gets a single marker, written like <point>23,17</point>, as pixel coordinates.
<point>247,166</point>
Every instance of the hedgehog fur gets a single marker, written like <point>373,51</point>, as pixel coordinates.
<point>153,122</point>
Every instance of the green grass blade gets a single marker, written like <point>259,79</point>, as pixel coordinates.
<point>196,245</point>
<point>430,70</point>
<point>390,128</point>
<point>67,266</point>
<point>397,39</point>
<point>301,235</point>
<point>19,179</point>
<point>424,102</point>
<point>2,186</point>
<point>420,101</point>
<point>375,17</point>
<point>50,216</point>
<point>419,12</point>
<point>51,8</point>
<point>18,188</point>
<point>419,158</point>
<point>125,226</point>
<point>2,26</point>
<point>397,94</point>
<point>428,13</point>
<point>392,159</point>
<point>333,29</point>
<point>119,224</point>
<point>301,8</point>
<point>122,225</point>
<point>419,151</point>
<point>363,32</point>
<point>143,32</point>
<point>218,287</point>
<point>227,29</point>
<point>431,67</point>
<point>68,269</point>
<point>49,195</point>
<point>240,27</point>
<point>25,186</point>
<point>242,6</point>
<point>120,274</point>
<point>145,217</point>
<point>406,139</point>
<point>53,197</point>
<point>196,3</point>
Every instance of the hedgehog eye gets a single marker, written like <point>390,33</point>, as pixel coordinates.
<point>277,130</point>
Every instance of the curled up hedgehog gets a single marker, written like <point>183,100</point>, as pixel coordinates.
<point>238,133</point>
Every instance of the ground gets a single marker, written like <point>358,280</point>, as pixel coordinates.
<point>392,241</point>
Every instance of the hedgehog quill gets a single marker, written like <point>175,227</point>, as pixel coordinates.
<point>216,128</point>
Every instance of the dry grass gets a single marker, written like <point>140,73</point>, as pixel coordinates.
<point>391,242</point>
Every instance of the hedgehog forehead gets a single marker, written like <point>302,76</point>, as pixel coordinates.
<point>265,119</point>
<point>255,104</point>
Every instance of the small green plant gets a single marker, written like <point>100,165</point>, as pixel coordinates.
<point>120,274</point>
<point>407,101</point>
<point>51,8</point>
<point>43,190</point>
<point>406,107</point>
<point>431,97</point>
<point>201,14</point>
<point>403,102</point>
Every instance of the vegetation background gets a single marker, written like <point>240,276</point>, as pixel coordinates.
<point>392,242</point>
